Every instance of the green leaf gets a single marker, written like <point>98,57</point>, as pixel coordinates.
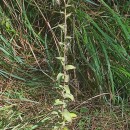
<point>68,37</point>
<point>54,113</point>
<point>3,22</point>
<point>73,115</point>
<point>65,128</point>
<point>58,102</point>
<point>67,116</point>
<point>7,25</point>
<point>67,93</point>
<point>61,58</point>
<point>70,96</point>
<point>61,43</point>
<point>70,67</point>
<point>59,76</point>
<point>61,86</point>
<point>66,80</point>
<point>84,110</point>
<point>67,89</point>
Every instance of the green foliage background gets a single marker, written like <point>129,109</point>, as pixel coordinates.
<point>99,47</point>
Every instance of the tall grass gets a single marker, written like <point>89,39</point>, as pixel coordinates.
<point>102,38</point>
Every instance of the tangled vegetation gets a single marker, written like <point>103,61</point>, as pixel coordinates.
<point>64,64</point>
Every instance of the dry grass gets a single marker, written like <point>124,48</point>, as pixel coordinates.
<point>31,106</point>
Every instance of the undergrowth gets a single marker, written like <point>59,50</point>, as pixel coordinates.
<point>64,64</point>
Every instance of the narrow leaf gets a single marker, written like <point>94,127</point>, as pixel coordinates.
<point>70,67</point>
<point>61,58</point>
